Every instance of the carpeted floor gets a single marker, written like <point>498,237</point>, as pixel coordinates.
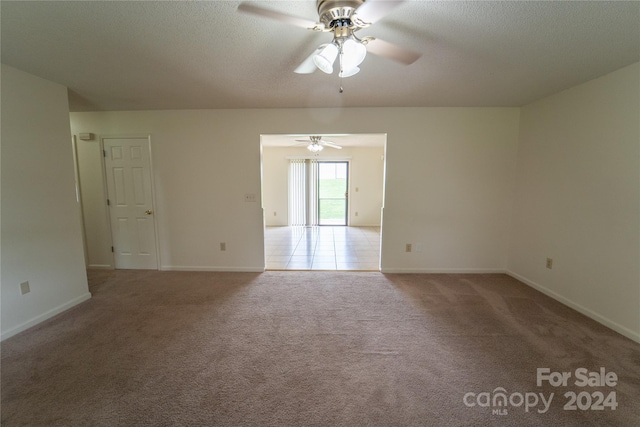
<point>314,349</point>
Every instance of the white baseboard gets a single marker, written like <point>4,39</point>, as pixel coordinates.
<point>587,312</point>
<point>100,267</point>
<point>44,316</point>
<point>443,270</point>
<point>227,269</point>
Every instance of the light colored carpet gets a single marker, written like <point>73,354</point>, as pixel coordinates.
<point>308,349</point>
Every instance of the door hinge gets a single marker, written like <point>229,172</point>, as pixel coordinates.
<point>112,249</point>
<point>108,202</point>
<point>104,153</point>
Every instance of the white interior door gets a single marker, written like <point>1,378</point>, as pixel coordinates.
<point>130,199</point>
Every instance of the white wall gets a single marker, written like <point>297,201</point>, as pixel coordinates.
<point>275,178</point>
<point>449,179</point>
<point>578,199</point>
<point>41,228</point>
<point>366,185</point>
<point>366,175</point>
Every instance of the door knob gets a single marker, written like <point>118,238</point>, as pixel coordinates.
<point>148,212</point>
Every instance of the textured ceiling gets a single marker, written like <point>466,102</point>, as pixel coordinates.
<point>126,55</point>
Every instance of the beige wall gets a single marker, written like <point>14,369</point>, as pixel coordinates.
<point>41,228</point>
<point>366,175</point>
<point>449,181</point>
<point>578,199</point>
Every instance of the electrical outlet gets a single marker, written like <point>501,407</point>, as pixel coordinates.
<point>223,246</point>
<point>407,247</point>
<point>549,263</point>
<point>25,288</point>
<point>356,213</point>
<point>275,213</point>
<point>418,247</point>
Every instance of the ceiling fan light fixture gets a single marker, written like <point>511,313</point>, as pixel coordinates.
<point>342,18</point>
<point>314,147</point>
<point>325,59</point>
<point>353,53</point>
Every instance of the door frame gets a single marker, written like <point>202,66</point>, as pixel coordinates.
<point>347,204</point>
<point>147,137</point>
<point>76,172</point>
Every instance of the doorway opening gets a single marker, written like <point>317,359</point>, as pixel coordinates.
<point>323,211</point>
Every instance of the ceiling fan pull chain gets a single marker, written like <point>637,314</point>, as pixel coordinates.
<point>340,73</point>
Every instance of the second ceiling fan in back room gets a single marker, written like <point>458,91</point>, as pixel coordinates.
<point>315,144</point>
<point>343,18</point>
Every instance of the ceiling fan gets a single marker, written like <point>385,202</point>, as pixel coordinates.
<point>343,18</point>
<point>316,144</point>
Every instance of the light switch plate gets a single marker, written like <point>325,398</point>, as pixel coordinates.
<point>25,288</point>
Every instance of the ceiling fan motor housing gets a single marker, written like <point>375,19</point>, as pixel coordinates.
<point>337,13</point>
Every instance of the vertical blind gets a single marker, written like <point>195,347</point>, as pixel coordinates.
<point>303,192</point>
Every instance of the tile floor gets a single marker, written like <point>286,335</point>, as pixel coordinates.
<point>323,248</point>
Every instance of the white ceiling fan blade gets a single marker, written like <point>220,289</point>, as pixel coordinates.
<point>373,10</point>
<point>308,66</point>
<point>248,7</point>
<point>330,144</point>
<point>392,51</point>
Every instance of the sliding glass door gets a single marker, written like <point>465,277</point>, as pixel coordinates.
<point>318,192</point>
<point>332,193</point>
